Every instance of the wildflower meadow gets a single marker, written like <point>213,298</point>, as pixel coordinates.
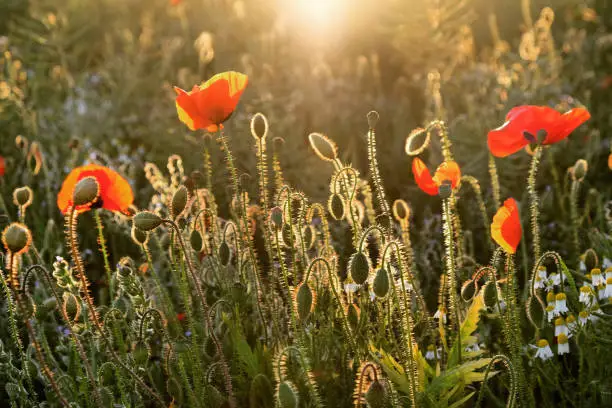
<point>306,203</point>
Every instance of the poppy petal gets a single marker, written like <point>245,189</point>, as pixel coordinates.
<point>449,170</point>
<point>2,166</point>
<point>506,226</point>
<point>423,178</point>
<point>566,124</point>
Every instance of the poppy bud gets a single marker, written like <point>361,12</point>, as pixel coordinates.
<point>86,191</point>
<point>469,289</point>
<point>416,142</point>
<point>71,306</point>
<point>400,209</point>
<point>308,236</point>
<point>304,297</point>
<point>287,395</point>
<point>179,201</point>
<point>490,294</point>
<point>359,265</point>
<point>353,316</point>
<point>224,253</point>
<point>147,221</point>
<point>373,118</point>
<point>259,126</point>
<point>380,286</point>
<point>16,238</point>
<point>591,260</point>
<point>580,170</point>
<point>22,196</point>
<point>195,239</point>
<point>276,217</point>
<point>535,311</point>
<point>197,178</point>
<point>287,234</point>
<point>445,189</point>
<point>139,236</point>
<point>376,396</point>
<point>29,306</point>
<point>336,207</point>
<point>49,304</point>
<point>323,146</point>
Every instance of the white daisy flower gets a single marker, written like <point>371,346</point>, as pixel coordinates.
<point>431,352</point>
<point>596,277</point>
<point>562,344</point>
<point>586,295</point>
<point>544,352</point>
<point>583,317</point>
<point>441,314</point>
<point>560,327</point>
<point>571,324</point>
<point>561,303</point>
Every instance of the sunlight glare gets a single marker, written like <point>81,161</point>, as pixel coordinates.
<point>319,16</point>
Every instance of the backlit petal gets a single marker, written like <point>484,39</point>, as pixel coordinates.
<point>422,176</point>
<point>506,227</point>
<point>566,124</point>
<point>449,170</point>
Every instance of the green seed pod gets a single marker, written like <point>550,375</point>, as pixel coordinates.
<point>147,221</point>
<point>304,297</point>
<point>469,289</point>
<point>49,304</point>
<point>579,170</point>
<point>140,354</point>
<point>591,260</point>
<point>353,315</point>
<point>139,236</point>
<point>276,217</point>
<point>380,286</point>
<point>195,239</point>
<point>179,201</point>
<point>373,118</point>
<point>336,207</point>
<point>287,395</point>
<point>224,253</point>
<point>359,265</point>
<point>535,311</point>
<point>16,238</point>
<point>22,196</point>
<point>400,210</point>
<point>259,126</point>
<point>86,191</point>
<point>490,294</point>
<point>376,396</point>
<point>287,233</point>
<point>323,147</point>
<point>71,306</point>
<point>309,236</point>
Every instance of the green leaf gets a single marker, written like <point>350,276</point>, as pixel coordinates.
<point>469,325</point>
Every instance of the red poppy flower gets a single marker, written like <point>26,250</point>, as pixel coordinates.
<point>2,166</point>
<point>447,171</point>
<point>180,317</point>
<point>506,227</point>
<point>115,192</point>
<point>208,105</point>
<point>524,122</point>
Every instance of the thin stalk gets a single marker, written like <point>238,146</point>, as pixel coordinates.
<point>104,252</point>
<point>534,201</point>
<point>451,272</point>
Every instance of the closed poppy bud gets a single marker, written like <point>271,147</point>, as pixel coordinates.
<point>336,207</point>
<point>49,304</point>
<point>591,260</point>
<point>287,395</point>
<point>287,234</point>
<point>359,266</point>
<point>323,146</point>
<point>276,217</point>
<point>86,191</point>
<point>179,201</point>
<point>224,253</point>
<point>308,236</point>
<point>401,211</point>
<point>535,311</point>
<point>469,289</point>
<point>195,239</point>
<point>353,315</point>
<point>490,294</point>
<point>22,196</point>
<point>147,221</point>
<point>380,286</point>
<point>259,126</point>
<point>139,236</point>
<point>71,306</point>
<point>373,118</point>
<point>580,170</point>
<point>16,238</point>
<point>376,396</point>
<point>305,300</point>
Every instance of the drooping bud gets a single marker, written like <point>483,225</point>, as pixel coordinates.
<point>359,266</point>
<point>287,234</point>
<point>287,395</point>
<point>305,299</point>
<point>16,238</point>
<point>417,141</point>
<point>139,236</point>
<point>535,311</point>
<point>179,201</point>
<point>71,306</point>
<point>224,253</point>
<point>276,217</point>
<point>86,191</point>
<point>323,146</point>
<point>259,126</point>
<point>22,196</point>
<point>373,118</point>
<point>380,286</point>
<point>147,221</point>
<point>376,396</point>
<point>469,289</point>
<point>490,294</point>
<point>353,314</point>
<point>309,236</point>
<point>579,170</point>
<point>591,261</point>
<point>336,207</point>
<point>196,241</point>
<point>400,209</point>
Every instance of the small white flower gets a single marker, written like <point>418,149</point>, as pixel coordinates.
<point>571,324</point>
<point>472,348</point>
<point>441,314</point>
<point>542,273</point>
<point>601,292</point>
<point>608,273</point>
<point>586,295</point>
<point>596,277</point>
<point>583,317</point>
<point>560,327</point>
<point>551,312</point>
<point>555,279</point>
<point>351,287</point>
<point>544,352</point>
<point>582,266</point>
<point>607,263</point>
<point>563,344</point>
<point>431,353</point>
<point>539,283</point>
<point>561,303</point>
<point>608,291</point>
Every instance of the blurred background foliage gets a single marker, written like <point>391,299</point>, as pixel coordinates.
<point>85,77</point>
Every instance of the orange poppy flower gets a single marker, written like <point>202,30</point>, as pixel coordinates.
<point>447,171</point>
<point>208,105</point>
<point>115,192</point>
<point>524,122</point>
<point>506,227</point>
<point>2,166</point>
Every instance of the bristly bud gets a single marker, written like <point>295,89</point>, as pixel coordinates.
<point>179,201</point>
<point>71,306</point>
<point>276,217</point>
<point>445,189</point>
<point>380,286</point>
<point>400,210</point>
<point>147,221</point>
<point>489,294</point>
<point>139,236</point>
<point>287,235</point>
<point>305,300</point>
<point>309,236</point>
<point>287,395</point>
<point>579,170</point>
<point>323,146</point>
<point>591,261</point>
<point>196,241</point>
<point>16,238</point>
<point>535,311</point>
<point>224,253</point>
<point>376,396</point>
<point>86,191</point>
<point>353,314</point>
<point>336,207</point>
<point>359,266</point>
<point>469,289</point>
<point>373,118</point>
<point>22,196</point>
<point>414,146</point>
<point>259,126</point>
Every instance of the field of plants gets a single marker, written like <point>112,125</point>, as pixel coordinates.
<point>306,203</point>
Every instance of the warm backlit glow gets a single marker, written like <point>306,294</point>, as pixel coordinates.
<point>318,17</point>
